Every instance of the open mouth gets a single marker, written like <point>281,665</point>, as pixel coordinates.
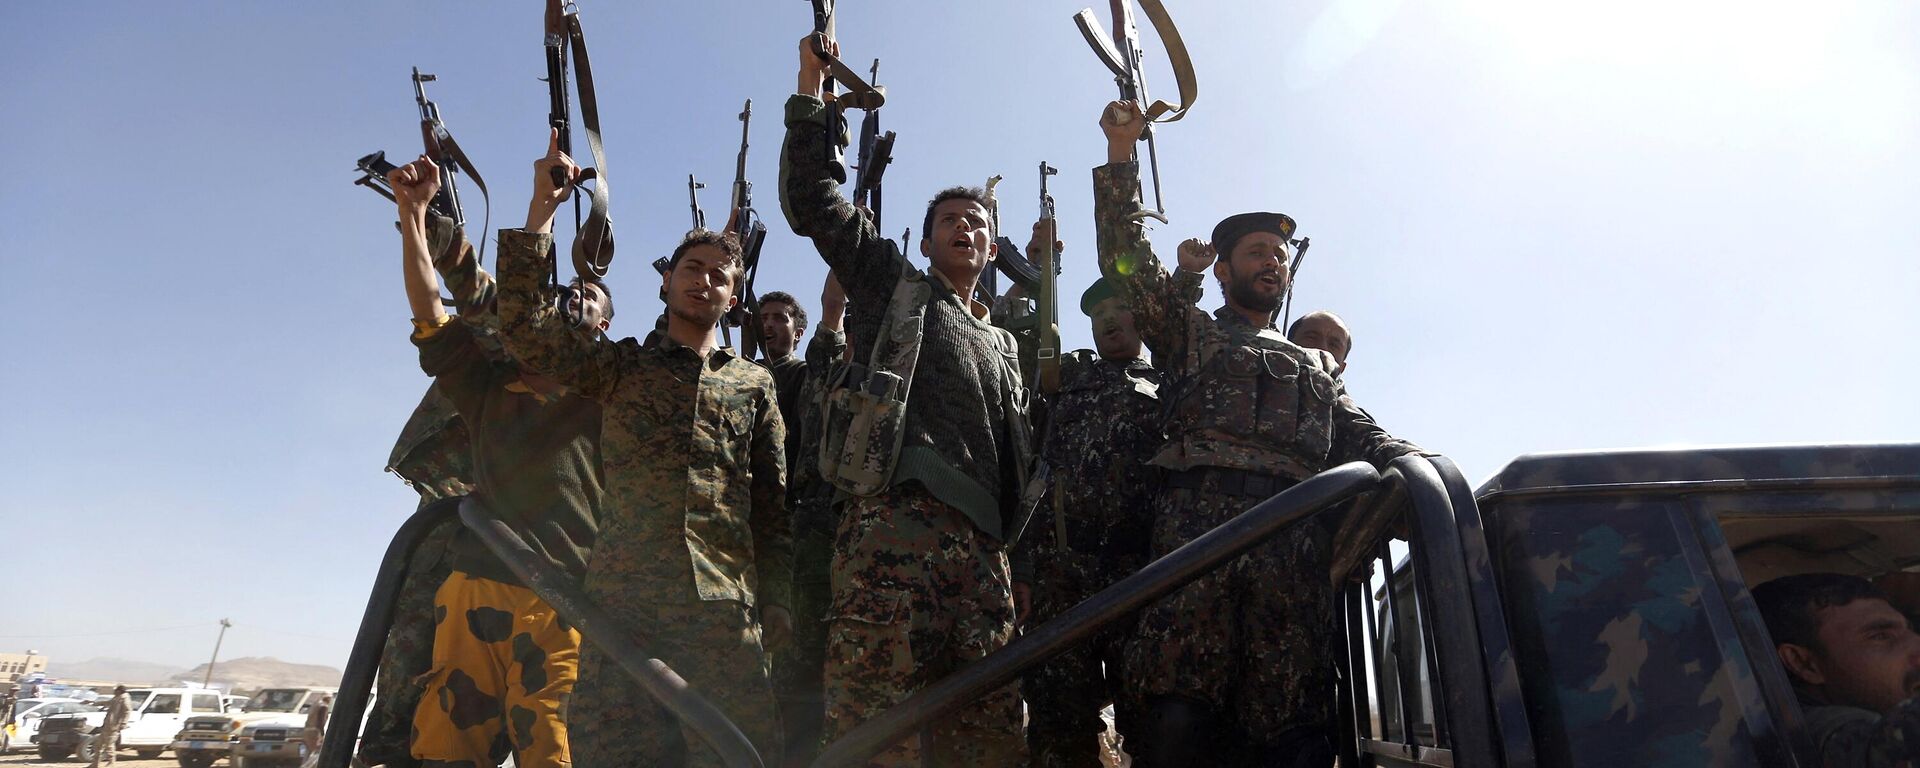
<point>962,243</point>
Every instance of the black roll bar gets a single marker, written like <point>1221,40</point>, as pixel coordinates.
<point>1161,577</point>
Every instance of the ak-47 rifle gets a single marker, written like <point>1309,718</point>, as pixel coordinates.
<point>1008,258</point>
<point>1293,274</point>
<point>593,238</point>
<point>445,152</point>
<point>1047,331</point>
<point>751,233</point>
<point>859,94</point>
<point>693,202</point>
<point>1124,58</point>
<point>876,152</point>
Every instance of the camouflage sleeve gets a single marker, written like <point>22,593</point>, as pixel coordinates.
<point>867,264</point>
<point>1127,259</point>
<point>1190,287</point>
<point>531,327</point>
<point>772,530</point>
<point>824,349</point>
<point>470,286</point>
<point>1891,741</point>
<point>460,369</point>
<point>1357,438</point>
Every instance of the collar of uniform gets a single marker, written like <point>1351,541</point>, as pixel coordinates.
<point>717,358</point>
<point>1225,314</point>
<point>519,387</point>
<point>980,311</point>
<point>782,360</point>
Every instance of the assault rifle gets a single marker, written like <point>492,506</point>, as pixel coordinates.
<point>693,202</point>
<point>859,94</point>
<point>1124,58</point>
<point>1047,332</point>
<point>1008,258</point>
<point>445,152</point>
<point>751,233</point>
<point>593,238</point>
<point>1293,274</point>
<point>876,152</point>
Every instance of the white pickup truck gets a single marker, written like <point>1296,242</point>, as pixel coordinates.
<point>156,717</point>
<point>207,738</point>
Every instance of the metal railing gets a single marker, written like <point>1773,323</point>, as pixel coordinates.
<point>1410,482</point>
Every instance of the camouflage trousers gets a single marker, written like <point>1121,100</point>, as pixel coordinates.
<point>504,665</point>
<point>798,668</point>
<point>917,592</point>
<point>408,654</point>
<point>715,646</point>
<point>1065,695</point>
<point>1255,638</point>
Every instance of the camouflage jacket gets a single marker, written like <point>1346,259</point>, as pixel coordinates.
<point>433,453</point>
<point>789,375</point>
<point>1248,399</point>
<point>805,485</point>
<point>963,428</point>
<point>1104,426</point>
<point>1849,737</point>
<point>691,452</point>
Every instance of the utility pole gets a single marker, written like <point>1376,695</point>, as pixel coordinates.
<point>208,683</point>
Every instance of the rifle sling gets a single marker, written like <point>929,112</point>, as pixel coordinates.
<point>593,245</point>
<point>459,158</point>
<point>1177,58</point>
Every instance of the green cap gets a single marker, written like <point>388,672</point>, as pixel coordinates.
<point>1100,291</point>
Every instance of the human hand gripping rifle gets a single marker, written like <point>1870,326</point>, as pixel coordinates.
<point>859,93</point>
<point>593,238</point>
<point>1124,58</point>
<point>445,152</point>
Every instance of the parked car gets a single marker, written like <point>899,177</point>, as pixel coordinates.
<point>207,738</point>
<point>27,715</point>
<point>156,717</point>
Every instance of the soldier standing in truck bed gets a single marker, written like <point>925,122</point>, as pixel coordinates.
<point>694,554</point>
<point>1240,660</point>
<point>1091,529</point>
<point>920,576</point>
<point>797,669</point>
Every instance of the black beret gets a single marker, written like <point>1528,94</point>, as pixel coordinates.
<point>1228,232</point>
<point>1100,291</point>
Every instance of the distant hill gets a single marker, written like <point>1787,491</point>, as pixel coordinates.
<point>114,670</point>
<point>254,673</point>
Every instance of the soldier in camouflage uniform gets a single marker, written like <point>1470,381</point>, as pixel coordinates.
<point>694,534</point>
<point>1091,531</point>
<point>503,661</point>
<point>929,448</point>
<point>797,668</point>
<point>1240,660</point>
<point>1855,663</point>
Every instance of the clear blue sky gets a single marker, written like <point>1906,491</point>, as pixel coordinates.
<point>1551,226</point>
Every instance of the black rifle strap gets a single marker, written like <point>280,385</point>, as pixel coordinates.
<point>459,158</point>
<point>593,246</point>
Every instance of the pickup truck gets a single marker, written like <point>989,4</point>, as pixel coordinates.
<point>157,715</point>
<point>1577,610</point>
<point>207,738</point>
<point>1592,609</point>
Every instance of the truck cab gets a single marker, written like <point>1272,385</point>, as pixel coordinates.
<point>1592,609</point>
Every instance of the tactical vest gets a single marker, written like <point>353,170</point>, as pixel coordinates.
<point>1261,405</point>
<point>864,419</point>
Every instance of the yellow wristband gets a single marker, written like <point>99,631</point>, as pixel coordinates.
<point>425,329</point>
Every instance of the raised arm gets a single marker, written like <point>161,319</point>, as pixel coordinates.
<point>867,263</point>
<point>531,326</point>
<point>1162,307</point>
<point>414,184</point>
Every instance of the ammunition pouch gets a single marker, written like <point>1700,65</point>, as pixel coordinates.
<point>865,416</point>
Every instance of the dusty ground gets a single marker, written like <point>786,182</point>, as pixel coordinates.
<point>126,760</point>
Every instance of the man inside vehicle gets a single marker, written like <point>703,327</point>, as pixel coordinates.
<point>1855,664</point>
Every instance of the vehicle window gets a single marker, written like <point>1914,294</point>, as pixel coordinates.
<point>164,704</point>
<point>275,700</point>
<point>138,698</point>
<point>21,707</point>
<point>206,702</point>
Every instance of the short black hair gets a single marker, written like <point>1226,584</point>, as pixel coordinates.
<point>579,283</point>
<point>975,194</point>
<point>725,241</point>
<point>799,312</point>
<point>1790,604</point>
